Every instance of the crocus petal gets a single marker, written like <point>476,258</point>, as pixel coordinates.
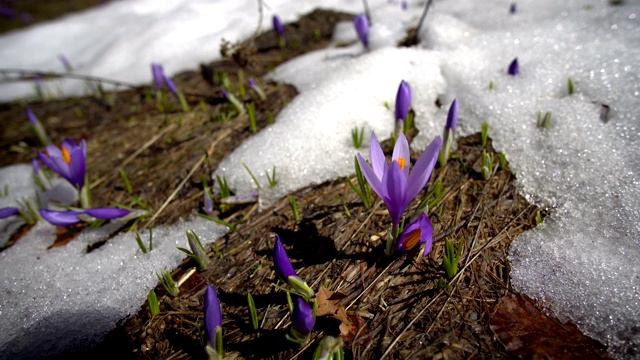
<point>35,164</point>
<point>378,161</point>
<point>403,101</point>
<point>8,211</point>
<point>212,315</point>
<point>107,213</point>
<point>401,151</point>
<point>61,218</point>
<point>452,117</point>
<point>514,68</point>
<point>361,24</point>
<point>302,319</point>
<point>423,168</point>
<point>370,175</point>
<point>281,261</point>
<point>422,224</point>
<point>77,167</point>
<point>394,185</point>
<point>68,144</point>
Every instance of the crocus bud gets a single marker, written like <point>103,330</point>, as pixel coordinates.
<point>362,28</point>
<point>452,117</point>
<point>403,101</point>
<point>171,85</point>
<point>512,8</point>
<point>213,323</point>
<point>158,75</point>
<point>302,319</point>
<point>514,68</point>
<point>31,118</point>
<point>277,26</point>
<point>449,132</point>
<point>285,270</point>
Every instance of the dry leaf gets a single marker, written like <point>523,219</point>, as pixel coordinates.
<point>528,333</point>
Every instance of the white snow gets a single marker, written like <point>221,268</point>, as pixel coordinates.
<point>581,263</point>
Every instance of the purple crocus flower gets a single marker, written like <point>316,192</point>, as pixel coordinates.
<point>514,68</point>
<point>158,75</point>
<point>107,213</point>
<point>35,164</point>
<point>418,232</point>
<point>512,8</point>
<point>277,26</point>
<point>302,319</point>
<point>68,161</point>
<point>5,212</point>
<point>361,24</point>
<point>394,183</point>
<point>405,5</point>
<point>212,315</point>
<point>31,117</point>
<point>452,117</point>
<point>281,261</point>
<point>61,218</point>
<point>403,101</point>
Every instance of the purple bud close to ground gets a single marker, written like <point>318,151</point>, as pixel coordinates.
<point>452,117</point>
<point>302,319</point>
<point>514,68</point>
<point>158,75</point>
<point>31,117</point>
<point>281,261</point>
<point>212,315</point>
<point>418,232</point>
<point>171,85</point>
<point>361,24</point>
<point>277,26</point>
<point>512,8</point>
<point>403,101</point>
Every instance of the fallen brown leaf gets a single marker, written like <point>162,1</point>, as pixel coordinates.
<point>528,333</point>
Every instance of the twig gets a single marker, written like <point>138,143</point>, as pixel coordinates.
<point>26,74</point>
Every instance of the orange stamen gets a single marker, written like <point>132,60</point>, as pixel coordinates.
<point>411,240</point>
<point>65,156</point>
<point>402,162</point>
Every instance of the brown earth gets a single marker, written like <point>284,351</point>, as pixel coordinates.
<point>399,309</point>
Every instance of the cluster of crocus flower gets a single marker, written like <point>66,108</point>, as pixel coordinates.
<point>396,183</point>
<point>361,24</point>
<point>449,133</point>
<point>160,79</point>
<point>213,324</point>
